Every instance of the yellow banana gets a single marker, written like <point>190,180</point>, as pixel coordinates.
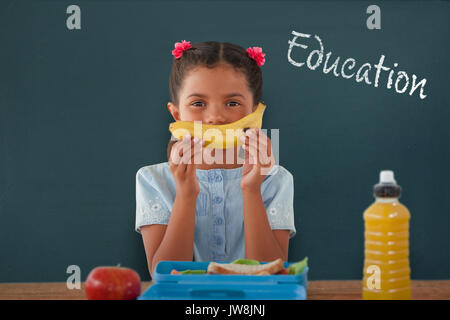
<point>219,136</point>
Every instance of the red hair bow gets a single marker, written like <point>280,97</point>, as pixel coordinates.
<point>256,54</point>
<point>180,47</point>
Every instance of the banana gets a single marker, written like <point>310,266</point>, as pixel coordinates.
<point>219,136</point>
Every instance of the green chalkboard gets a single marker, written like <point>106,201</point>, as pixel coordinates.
<point>81,110</point>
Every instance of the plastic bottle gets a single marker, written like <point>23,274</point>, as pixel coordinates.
<point>386,273</point>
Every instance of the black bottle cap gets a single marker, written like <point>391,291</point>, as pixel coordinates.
<point>387,187</point>
<point>387,190</point>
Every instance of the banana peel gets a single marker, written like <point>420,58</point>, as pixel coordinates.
<point>219,136</point>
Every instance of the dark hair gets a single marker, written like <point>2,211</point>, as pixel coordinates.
<point>210,54</point>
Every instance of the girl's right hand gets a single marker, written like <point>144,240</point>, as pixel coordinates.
<point>182,165</point>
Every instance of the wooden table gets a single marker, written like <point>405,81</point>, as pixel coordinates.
<point>317,290</point>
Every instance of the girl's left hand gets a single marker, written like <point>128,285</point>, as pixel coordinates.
<point>258,159</point>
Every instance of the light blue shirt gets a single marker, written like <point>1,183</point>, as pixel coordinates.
<point>219,221</point>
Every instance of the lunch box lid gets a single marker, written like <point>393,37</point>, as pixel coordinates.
<point>162,274</point>
<point>223,291</point>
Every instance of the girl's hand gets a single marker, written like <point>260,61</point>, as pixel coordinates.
<point>182,165</point>
<point>258,159</point>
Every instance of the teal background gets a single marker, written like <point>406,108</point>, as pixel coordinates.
<point>82,110</point>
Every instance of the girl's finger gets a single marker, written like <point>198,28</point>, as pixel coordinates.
<point>251,141</point>
<point>190,150</point>
<point>254,132</point>
<point>196,144</point>
<point>261,143</point>
<point>265,157</point>
<point>252,154</point>
<point>264,145</point>
<point>262,162</point>
<point>265,160</point>
<point>255,138</point>
<point>188,144</point>
<point>185,147</point>
<point>175,154</point>
<point>182,164</point>
<point>178,149</point>
<point>187,154</point>
<point>180,152</point>
<point>190,169</point>
<point>246,154</point>
<point>197,151</point>
<point>261,153</point>
<point>251,134</point>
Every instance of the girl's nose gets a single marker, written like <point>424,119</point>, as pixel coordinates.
<point>215,117</point>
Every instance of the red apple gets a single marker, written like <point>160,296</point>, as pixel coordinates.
<point>113,283</point>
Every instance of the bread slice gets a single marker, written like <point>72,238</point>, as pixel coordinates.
<point>243,269</point>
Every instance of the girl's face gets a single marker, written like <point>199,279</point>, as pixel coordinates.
<point>213,96</point>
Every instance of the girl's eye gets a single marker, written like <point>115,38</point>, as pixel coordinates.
<point>234,103</point>
<point>197,104</point>
<point>201,104</point>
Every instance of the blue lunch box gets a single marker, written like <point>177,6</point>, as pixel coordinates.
<point>222,287</point>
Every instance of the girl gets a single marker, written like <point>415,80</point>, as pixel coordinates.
<point>187,210</point>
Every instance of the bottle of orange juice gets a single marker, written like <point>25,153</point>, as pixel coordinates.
<point>386,248</point>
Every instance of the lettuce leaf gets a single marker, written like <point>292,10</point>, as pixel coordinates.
<point>246,261</point>
<point>193,272</point>
<point>298,267</point>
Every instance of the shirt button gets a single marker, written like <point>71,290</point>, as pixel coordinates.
<point>218,178</point>
<point>219,241</point>
<point>217,200</point>
<point>219,221</point>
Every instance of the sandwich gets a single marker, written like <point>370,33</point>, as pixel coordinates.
<point>246,269</point>
<point>249,267</point>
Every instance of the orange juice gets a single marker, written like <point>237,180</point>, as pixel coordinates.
<point>386,273</point>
